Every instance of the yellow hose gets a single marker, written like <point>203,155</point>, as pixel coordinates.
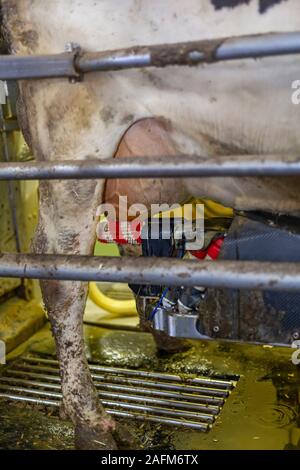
<point>119,307</point>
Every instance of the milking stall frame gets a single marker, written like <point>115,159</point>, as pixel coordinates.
<point>281,276</point>
<point>72,65</point>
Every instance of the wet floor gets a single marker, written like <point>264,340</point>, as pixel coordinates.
<point>25,428</point>
<point>262,412</point>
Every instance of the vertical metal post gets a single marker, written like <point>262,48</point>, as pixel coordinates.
<point>11,189</point>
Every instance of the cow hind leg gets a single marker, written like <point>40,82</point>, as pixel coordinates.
<point>67,226</point>
<point>65,305</point>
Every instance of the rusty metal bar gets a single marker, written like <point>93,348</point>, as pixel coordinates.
<point>191,53</point>
<point>154,167</point>
<point>158,271</point>
<point>73,64</point>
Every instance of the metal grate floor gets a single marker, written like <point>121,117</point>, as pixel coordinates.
<point>127,393</point>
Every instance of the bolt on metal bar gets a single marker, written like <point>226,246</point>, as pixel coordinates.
<point>75,63</point>
<point>154,167</point>
<point>158,271</point>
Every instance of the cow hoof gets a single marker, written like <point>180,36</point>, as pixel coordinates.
<point>94,439</point>
<point>168,345</point>
<point>62,412</point>
<point>125,440</point>
<point>173,349</point>
<point>165,344</point>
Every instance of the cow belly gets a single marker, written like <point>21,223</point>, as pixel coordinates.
<point>206,118</point>
<point>241,107</point>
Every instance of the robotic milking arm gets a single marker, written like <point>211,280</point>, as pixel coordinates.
<point>230,314</point>
<point>172,310</point>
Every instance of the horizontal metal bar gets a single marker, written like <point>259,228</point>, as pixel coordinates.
<point>209,381</point>
<point>180,405</point>
<point>183,410</point>
<point>125,414</point>
<point>154,167</point>
<point>157,271</point>
<point>210,392</point>
<point>43,373</point>
<point>34,400</point>
<point>191,53</point>
<point>9,125</point>
<point>174,395</point>
<point>72,64</point>
<point>204,427</point>
<point>31,391</point>
<point>260,45</point>
<point>193,399</point>
<point>37,66</point>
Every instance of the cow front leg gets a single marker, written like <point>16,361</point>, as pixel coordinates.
<point>67,226</point>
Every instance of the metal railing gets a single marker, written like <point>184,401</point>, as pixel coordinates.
<point>230,274</point>
<point>74,63</point>
<point>155,167</point>
<point>159,271</point>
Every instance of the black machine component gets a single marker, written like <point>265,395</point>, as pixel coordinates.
<point>159,240</point>
<point>251,315</point>
<point>171,309</point>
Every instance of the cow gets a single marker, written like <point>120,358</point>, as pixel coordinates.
<point>243,107</point>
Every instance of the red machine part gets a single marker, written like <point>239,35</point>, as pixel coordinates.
<point>212,251</point>
<point>130,233</point>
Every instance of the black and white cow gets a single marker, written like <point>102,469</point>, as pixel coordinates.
<point>243,107</point>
